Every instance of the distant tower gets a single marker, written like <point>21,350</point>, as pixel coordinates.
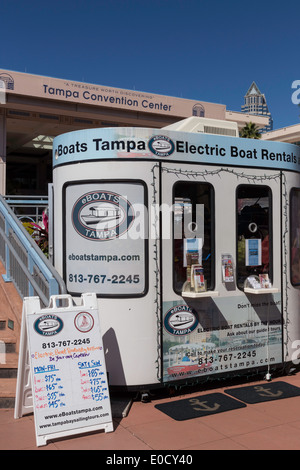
<point>255,103</point>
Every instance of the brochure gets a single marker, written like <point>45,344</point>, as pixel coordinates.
<point>197,278</point>
<point>227,268</point>
<point>253,252</point>
<point>192,251</point>
<point>265,281</point>
<point>253,282</point>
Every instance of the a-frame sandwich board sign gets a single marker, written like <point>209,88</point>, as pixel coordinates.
<point>62,373</point>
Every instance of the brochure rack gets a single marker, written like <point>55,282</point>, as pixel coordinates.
<point>259,285</point>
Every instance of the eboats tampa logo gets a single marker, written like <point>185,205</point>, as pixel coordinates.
<point>161,146</point>
<point>181,320</point>
<point>102,215</point>
<point>48,325</point>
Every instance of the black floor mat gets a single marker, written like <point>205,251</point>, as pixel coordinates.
<point>264,392</point>
<point>205,405</point>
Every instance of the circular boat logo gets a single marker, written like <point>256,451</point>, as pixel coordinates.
<point>84,322</point>
<point>102,215</point>
<point>161,146</point>
<point>48,325</point>
<point>180,320</point>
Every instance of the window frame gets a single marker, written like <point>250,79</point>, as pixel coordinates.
<point>146,241</point>
<point>293,190</point>
<point>270,225</point>
<point>212,233</point>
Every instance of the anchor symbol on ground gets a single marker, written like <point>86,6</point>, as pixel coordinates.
<point>266,392</point>
<point>202,405</point>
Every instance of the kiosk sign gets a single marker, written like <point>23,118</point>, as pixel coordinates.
<point>69,385</point>
<point>104,238</point>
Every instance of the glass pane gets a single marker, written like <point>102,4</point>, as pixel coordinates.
<point>254,232</point>
<point>295,237</point>
<point>193,234</point>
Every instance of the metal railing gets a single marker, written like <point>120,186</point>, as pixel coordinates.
<point>28,207</point>
<point>25,264</point>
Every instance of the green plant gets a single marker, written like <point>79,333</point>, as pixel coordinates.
<point>40,233</point>
<point>250,131</point>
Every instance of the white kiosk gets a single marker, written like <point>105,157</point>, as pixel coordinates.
<point>186,238</point>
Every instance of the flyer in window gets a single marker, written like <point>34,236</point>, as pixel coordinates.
<point>253,252</point>
<point>197,275</point>
<point>227,268</point>
<point>192,251</point>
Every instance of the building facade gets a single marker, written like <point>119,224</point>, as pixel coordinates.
<point>35,109</point>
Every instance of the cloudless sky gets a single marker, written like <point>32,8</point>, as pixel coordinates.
<point>208,50</point>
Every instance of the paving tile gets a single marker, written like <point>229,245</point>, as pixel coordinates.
<point>240,421</point>
<point>6,416</point>
<point>17,434</point>
<point>282,437</point>
<point>285,410</point>
<point>120,439</point>
<point>222,444</point>
<point>143,413</point>
<point>174,435</point>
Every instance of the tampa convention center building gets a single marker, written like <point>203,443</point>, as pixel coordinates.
<point>34,109</point>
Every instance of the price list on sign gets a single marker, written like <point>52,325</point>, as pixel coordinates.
<point>69,381</point>
<point>50,391</point>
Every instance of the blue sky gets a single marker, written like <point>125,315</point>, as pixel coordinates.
<point>209,50</point>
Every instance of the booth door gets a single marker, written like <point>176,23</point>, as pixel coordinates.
<point>291,266</point>
<point>222,237</point>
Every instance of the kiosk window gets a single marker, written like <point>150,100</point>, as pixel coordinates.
<point>295,236</point>
<point>193,243</point>
<point>254,234</point>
